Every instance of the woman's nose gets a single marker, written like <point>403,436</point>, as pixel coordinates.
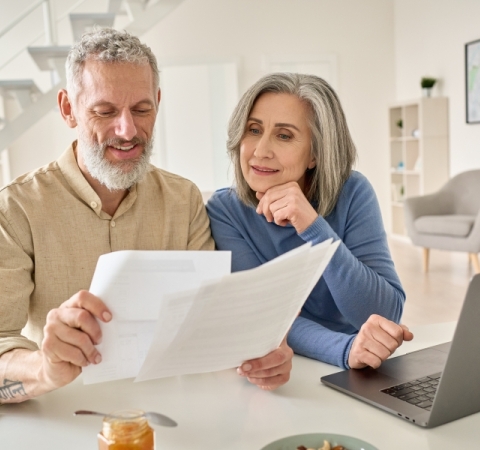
<point>125,126</point>
<point>263,148</point>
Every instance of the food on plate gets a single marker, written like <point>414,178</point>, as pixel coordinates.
<point>326,446</point>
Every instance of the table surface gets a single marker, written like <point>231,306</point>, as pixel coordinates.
<point>220,410</point>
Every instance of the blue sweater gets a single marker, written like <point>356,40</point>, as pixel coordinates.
<point>360,280</point>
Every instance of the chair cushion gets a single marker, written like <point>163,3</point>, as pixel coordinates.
<point>457,225</point>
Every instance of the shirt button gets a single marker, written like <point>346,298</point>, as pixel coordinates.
<point>93,204</point>
<point>112,224</point>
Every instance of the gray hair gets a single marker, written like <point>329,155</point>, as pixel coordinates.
<point>332,146</point>
<point>110,46</point>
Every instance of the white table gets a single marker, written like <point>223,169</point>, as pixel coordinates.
<point>221,411</point>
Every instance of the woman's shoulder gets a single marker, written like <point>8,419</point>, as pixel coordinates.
<point>357,184</point>
<point>225,199</point>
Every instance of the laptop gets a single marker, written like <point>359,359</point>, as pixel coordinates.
<point>431,386</point>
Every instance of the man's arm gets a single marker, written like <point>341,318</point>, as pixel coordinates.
<point>70,336</point>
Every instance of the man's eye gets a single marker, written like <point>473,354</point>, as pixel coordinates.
<point>104,113</point>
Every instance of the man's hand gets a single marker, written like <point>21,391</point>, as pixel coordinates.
<point>376,341</point>
<point>271,371</point>
<point>286,203</point>
<point>70,333</point>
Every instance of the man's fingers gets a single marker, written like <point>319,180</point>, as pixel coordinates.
<point>91,303</point>
<point>75,318</point>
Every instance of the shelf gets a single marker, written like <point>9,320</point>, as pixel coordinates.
<point>419,164</point>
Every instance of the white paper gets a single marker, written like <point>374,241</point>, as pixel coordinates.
<point>243,316</point>
<point>133,284</point>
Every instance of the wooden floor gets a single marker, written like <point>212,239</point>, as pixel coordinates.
<point>436,296</point>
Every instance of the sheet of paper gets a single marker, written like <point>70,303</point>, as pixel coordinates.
<point>133,285</point>
<point>244,315</point>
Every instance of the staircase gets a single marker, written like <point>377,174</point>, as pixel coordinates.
<point>22,101</point>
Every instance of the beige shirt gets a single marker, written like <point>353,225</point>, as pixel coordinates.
<point>53,229</point>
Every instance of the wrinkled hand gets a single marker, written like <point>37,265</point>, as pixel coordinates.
<point>271,371</point>
<point>70,333</point>
<point>286,203</point>
<point>376,341</point>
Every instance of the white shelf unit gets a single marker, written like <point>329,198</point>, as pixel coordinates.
<point>419,152</point>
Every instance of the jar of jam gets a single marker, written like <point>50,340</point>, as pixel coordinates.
<point>126,430</point>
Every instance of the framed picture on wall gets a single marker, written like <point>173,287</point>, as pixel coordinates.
<point>472,81</point>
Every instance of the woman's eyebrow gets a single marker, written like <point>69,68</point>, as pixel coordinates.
<point>286,125</point>
<point>277,125</point>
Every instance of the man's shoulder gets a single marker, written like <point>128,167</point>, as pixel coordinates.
<point>171,184</point>
<point>28,182</point>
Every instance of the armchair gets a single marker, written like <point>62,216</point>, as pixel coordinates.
<point>448,219</point>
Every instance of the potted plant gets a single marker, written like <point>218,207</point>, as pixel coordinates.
<point>427,84</point>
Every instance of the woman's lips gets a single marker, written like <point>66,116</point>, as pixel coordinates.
<point>263,171</point>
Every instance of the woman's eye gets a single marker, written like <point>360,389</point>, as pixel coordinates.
<point>254,131</point>
<point>284,137</point>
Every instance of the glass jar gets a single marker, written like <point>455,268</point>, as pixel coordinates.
<point>126,430</point>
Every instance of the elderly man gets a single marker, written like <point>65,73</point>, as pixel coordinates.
<point>100,196</point>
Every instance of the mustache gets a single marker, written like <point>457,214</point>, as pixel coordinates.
<point>120,142</point>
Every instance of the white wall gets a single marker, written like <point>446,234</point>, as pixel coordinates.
<point>430,38</point>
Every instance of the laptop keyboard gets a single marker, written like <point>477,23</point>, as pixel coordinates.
<point>419,392</point>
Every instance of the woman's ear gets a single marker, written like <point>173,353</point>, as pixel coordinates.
<point>66,109</point>
<point>312,164</point>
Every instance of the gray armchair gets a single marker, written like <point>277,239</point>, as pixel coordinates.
<point>449,219</point>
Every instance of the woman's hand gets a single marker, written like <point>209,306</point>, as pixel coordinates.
<point>286,203</point>
<point>271,371</point>
<point>376,341</point>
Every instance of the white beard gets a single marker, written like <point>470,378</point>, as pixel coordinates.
<point>114,176</point>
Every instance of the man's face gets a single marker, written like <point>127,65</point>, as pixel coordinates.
<point>115,112</point>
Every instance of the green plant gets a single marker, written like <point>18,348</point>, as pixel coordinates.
<point>428,82</point>
<point>399,123</point>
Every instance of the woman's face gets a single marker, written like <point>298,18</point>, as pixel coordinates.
<point>275,148</point>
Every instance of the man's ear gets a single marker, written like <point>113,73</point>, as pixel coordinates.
<point>159,96</point>
<point>66,109</point>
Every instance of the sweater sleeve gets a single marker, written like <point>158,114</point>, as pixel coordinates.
<point>361,278</point>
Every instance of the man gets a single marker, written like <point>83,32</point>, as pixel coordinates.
<point>101,195</point>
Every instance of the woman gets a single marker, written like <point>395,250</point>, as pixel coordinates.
<point>292,154</point>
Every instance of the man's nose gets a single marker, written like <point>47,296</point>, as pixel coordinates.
<point>263,148</point>
<point>125,126</point>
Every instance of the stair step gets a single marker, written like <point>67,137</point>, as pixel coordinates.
<point>50,58</point>
<point>82,22</point>
<point>20,90</point>
<point>19,85</point>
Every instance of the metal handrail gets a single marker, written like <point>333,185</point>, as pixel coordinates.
<point>25,14</point>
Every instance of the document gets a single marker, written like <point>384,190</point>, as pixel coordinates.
<point>133,284</point>
<point>217,324</point>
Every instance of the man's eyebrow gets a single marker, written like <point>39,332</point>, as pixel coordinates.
<point>110,104</point>
<point>277,125</point>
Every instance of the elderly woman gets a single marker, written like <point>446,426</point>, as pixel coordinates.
<point>292,154</point>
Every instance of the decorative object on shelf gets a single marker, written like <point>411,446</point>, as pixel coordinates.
<point>399,123</point>
<point>427,84</point>
<point>400,166</point>
<point>472,81</point>
<point>416,133</point>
